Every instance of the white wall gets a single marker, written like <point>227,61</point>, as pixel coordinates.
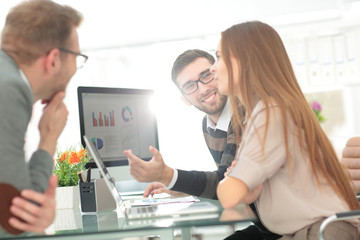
<point>134,46</point>
<point>180,133</point>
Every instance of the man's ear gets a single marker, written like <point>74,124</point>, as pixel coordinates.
<point>52,61</point>
<point>185,100</point>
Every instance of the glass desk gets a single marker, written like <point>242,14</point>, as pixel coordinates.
<point>72,224</point>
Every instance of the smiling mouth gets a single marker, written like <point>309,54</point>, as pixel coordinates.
<point>210,97</point>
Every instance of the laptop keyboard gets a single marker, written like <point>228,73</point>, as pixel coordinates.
<point>173,209</point>
<point>145,210</point>
<point>136,212</point>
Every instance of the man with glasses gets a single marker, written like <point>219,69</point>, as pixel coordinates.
<point>80,58</point>
<point>39,55</point>
<point>191,74</point>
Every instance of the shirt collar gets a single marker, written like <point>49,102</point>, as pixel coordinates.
<point>224,120</point>
<point>23,76</point>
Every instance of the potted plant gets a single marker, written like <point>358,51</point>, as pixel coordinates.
<point>316,107</point>
<point>66,166</point>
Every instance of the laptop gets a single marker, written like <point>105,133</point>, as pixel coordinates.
<point>150,207</point>
<point>116,119</point>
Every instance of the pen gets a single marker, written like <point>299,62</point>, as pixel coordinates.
<point>88,174</point>
<point>81,176</point>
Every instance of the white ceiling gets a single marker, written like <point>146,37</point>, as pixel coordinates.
<point>117,23</point>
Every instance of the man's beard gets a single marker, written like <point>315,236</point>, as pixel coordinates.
<point>214,110</point>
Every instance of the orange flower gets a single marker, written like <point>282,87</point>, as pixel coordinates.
<point>82,152</point>
<point>63,157</point>
<point>74,157</point>
<point>68,164</point>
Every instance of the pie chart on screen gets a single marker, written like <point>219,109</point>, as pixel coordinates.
<point>126,114</point>
<point>98,142</point>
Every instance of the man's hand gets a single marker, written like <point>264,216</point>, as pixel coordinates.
<point>34,218</point>
<point>351,160</point>
<point>153,171</point>
<point>52,123</point>
<point>157,188</point>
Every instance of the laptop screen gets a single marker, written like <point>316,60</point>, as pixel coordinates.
<point>106,175</point>
<point>116,119</point>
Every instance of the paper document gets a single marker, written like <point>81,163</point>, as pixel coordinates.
<point>157,201</point>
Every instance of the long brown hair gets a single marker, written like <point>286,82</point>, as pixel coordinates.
<point>266,74</point>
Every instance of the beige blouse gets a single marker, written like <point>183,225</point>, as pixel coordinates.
<point>291,198</point>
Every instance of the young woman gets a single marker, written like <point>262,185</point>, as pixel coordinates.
<point>285,162</point>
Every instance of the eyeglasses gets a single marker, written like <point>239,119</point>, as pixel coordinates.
<point>80,58</point>
<point>191,86</point>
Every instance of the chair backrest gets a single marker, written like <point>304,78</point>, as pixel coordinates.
<point>351,160</point>
<point>7,193</point>
<point>352,148</point>
<point>353,142</point>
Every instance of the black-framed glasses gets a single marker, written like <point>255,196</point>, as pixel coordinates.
<point>191,86</point>
<point>80,58</point>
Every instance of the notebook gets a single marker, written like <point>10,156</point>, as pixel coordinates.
<point>149,207</point>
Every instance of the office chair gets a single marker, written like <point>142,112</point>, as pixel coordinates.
<point>352,150</point>
<point>337,217</point>
<point>7,193</point>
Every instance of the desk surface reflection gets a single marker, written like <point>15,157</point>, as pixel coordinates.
<point>72,224</point>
